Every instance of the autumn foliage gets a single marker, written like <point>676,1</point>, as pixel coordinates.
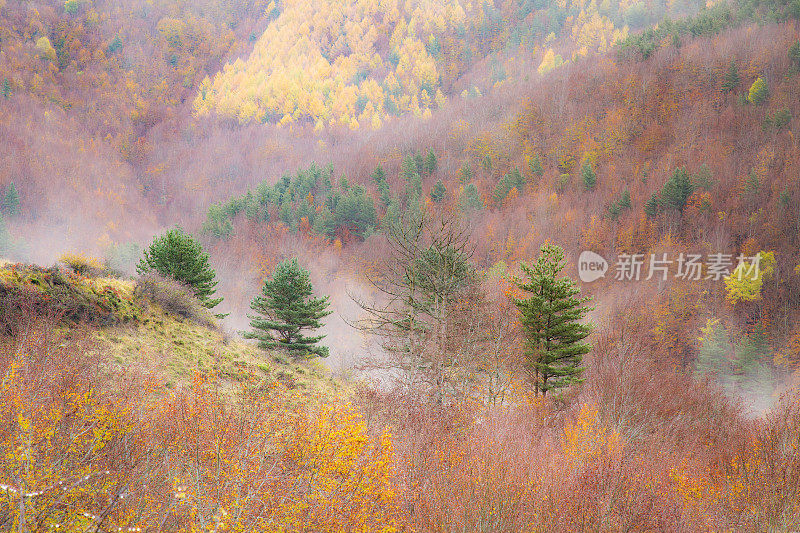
<point>561,124</point>
<point>84,447</point>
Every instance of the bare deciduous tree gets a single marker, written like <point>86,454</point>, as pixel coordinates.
<point>430,314</point>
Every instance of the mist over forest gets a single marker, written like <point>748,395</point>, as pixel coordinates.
<point>433,266</point>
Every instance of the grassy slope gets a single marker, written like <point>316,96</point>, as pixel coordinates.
<point>139,335</point>
<point>174,348</point>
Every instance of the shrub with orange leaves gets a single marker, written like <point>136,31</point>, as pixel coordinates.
<point>81,449</point>
<point>271,460</point>
<point>586,438</point>
<point>60,438</point>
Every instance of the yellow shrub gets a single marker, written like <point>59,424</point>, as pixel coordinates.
<point>587,438</point>
<point>81,264</point>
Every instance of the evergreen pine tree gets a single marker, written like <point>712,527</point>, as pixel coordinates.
<point>408,167</point>
<point>614,210</point>
<point>715,350</point>
<point>284,309</point>
<point>379,175</point>
<point>6,88</point>
<point>589,176</point>
<point>470,198</point>
<point>536,166</point>
<point>551,315</point>
<point>500,192</point>
<point>703,178</point>
<point>625,199</point>
<point>384,193</point>
<point>751,352</point>
<point>178,256</point>
<point>651,207</point>
<point>438,192</point>
<point>465,174</point>
<point>419,163</point>
<point>731,78</point>
<point>429,167</point>
<point>391,216</point>
<point>515,179</point>
<point>677,190</point>
<point>752,374</point>
<point>10,203</point>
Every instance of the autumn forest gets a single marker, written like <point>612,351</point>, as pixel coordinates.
<point>381,266</point>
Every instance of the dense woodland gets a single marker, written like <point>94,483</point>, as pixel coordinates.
<point>410,163</point>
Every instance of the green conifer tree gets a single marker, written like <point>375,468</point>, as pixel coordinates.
<point>438,192</point>
<point>677,190</point>
<point>536,166</point>
<point>178,256</point>
<point>551,315</point>
<point>614,210</point>
<point>466,173</point>
<point>651,207</point>
<point>429,167</point>
<point>731,80</point>
<point>419,163</point>
<point>285,309</point>
<point>10,202</point>
<point>408,167</point>
<point>751,353</point>
<point>379,175</point>
<point>589,176</point>
<point>713,356</point>
<point>625,199</point>
<point>470,199</point>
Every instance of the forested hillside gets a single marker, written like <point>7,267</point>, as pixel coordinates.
<point>506,265</point>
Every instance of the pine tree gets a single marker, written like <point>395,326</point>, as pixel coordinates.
<point>438,192</point>
<point>286,308</point>
<point>715,350</point>
<point>703,178</point>
<point>408,167</point>
<point>178,256</point>
<point>470,199</point>
<point>419,163</point>
<point>751,352</point>
<point>614,210</point>
<point>384,193</point>
<point>551,315</point>
<point>625,199</point>
<point>536,166</point>
<point>10,203</point>
<point>651,207</point>
<point>731,78</point>
<point>6,88</point>
<point>752,372</point>
<point>465,174</point>
<point>379,175</point>
<point>677,190</point>
<point>589,176</point>
<point>429,167</point>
